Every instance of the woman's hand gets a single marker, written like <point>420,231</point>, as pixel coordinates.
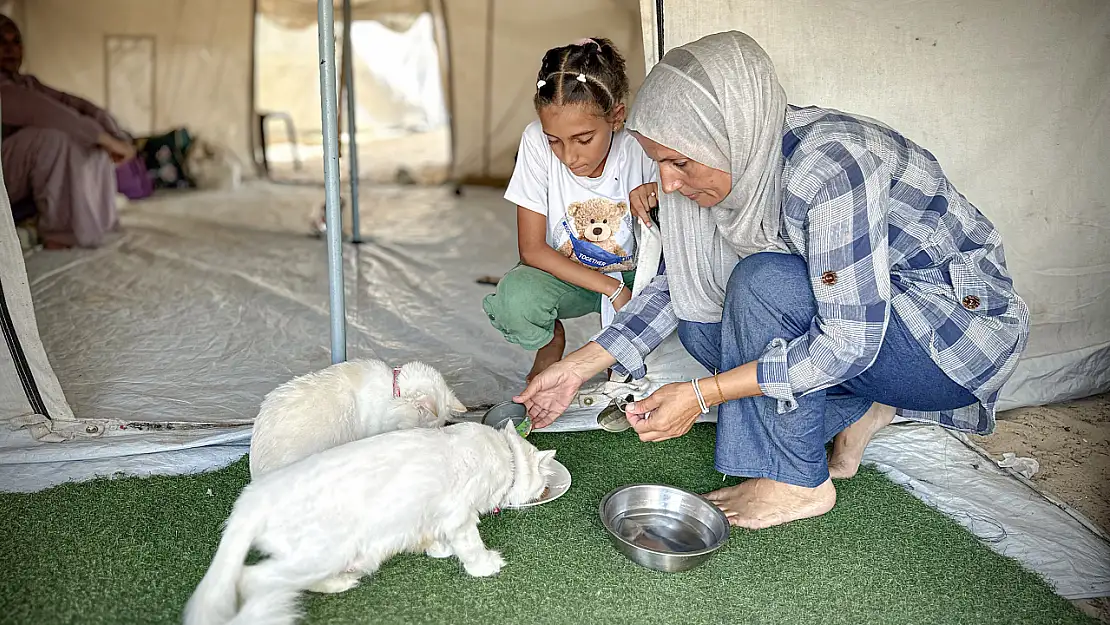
<point>667,413</point>
<point>550,393</point>
<point>642,199</point>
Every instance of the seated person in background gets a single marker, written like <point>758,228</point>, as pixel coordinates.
<point>59,151</point>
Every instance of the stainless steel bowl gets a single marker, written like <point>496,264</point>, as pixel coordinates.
<point>662,527</point>
<point>505,412</point>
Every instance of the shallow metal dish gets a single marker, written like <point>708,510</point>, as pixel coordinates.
<point>558,483</point>
<point>663,527</point>
<point>504,412</point>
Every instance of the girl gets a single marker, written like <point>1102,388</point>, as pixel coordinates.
<point>578,173</point>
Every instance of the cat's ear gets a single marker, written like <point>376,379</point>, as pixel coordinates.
<point>457,406</point>
<point>426,402</point>
<point>546,456</point>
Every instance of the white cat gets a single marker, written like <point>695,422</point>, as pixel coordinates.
<point>343,403</point>
<point>335,516</point>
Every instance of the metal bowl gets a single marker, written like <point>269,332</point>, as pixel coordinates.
<point>662,527</point>
<point>505,412</point>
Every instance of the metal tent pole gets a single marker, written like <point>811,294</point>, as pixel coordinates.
<point>352,123</point>
<point>328,109</point>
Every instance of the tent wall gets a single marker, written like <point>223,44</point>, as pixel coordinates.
<point>29,390</point>
<point>287,61</point>
<point>1013,97</point>
<point>13,9</point>
<point>496,47</point>
<point>202,58</point>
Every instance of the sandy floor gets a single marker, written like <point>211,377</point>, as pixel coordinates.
<point>1071,442</point>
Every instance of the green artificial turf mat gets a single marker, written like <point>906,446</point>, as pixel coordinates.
<point>132,550</point>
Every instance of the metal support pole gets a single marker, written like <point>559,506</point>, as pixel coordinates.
<point>328,110</point>
<point>352,123</point>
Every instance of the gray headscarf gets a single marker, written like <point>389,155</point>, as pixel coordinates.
<point>717,101</point>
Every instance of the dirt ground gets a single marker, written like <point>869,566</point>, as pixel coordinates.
<point>1071,441</point>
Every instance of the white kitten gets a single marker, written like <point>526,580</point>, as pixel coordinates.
<point>343,403</point>
<point>335,516</point>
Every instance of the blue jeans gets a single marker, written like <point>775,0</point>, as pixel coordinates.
<point>769,296</point>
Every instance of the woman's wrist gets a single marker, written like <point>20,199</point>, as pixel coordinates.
<point>725,386</point>
<point>711,390</point>
<point>590,360</point>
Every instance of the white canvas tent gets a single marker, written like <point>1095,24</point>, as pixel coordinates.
<point>1030,162</point>
<point>203,53</point>
<point>1014,100</point>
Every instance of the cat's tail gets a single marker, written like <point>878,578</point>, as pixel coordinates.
<point>276,605</point>
<point>216,599</point>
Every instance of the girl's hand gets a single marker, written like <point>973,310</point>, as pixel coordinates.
<point>642,199</point>
<point>667,413</point>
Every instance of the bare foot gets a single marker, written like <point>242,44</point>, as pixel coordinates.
<point>848,446</point>
<point>762,502</point>
<point>549,354</point>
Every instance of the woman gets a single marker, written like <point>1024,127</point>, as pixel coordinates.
<point>821,263</point>
<point>58,150</point>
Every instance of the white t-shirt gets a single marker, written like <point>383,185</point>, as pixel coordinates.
<point>588,219</point>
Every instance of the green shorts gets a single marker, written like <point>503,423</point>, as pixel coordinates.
<point>529,300</point>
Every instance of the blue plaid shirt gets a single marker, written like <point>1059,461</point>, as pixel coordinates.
<point>880,227</point>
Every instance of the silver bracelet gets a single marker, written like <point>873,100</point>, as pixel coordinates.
<point>613,297</point>
<point>701,400</point>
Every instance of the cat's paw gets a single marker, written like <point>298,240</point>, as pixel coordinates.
<point>439,549</point>
<point>337,584</point>
<point>484,565</point>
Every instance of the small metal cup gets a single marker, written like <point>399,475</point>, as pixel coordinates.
<point>612,419</point>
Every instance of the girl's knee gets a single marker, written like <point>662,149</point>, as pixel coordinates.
<point>519,312</point>
<point>522,288</point>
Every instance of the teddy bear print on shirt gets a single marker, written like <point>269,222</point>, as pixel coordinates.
<point>593,242</point>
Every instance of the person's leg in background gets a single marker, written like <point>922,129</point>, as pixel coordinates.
<point>74,188</point>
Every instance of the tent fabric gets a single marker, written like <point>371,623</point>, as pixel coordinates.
<point>30,394</point>
<point>197,74</point>
<point>302,13</point>
<point>204,54</point>
<point>1013,99</point>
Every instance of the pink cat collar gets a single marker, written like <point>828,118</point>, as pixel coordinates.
<point>396,385</point>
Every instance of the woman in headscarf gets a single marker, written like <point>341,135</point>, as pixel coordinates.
<point>58,150</point>
<point>821,264</point>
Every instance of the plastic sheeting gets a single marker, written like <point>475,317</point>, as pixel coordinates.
<point>1010,517</point>
<point>1014,100</point>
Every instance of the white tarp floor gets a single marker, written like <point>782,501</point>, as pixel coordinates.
<point>169,337</point>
